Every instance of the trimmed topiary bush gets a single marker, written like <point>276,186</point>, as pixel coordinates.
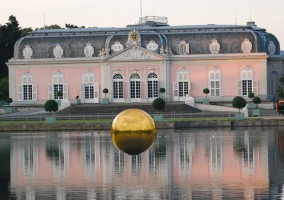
<point>206,91</point>
<point>250,95</point>
<point>51,106</point>
<point>256,100</point>
<point>9,100</point>
<point>239,102</point>
<point>159,104</point>
<point>105,91</point>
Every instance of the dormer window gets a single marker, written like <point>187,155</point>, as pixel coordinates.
<point>183,47</point>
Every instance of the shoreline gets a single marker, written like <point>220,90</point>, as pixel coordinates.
<point>230,123</point>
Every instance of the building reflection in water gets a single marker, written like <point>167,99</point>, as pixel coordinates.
<point>183,164</point>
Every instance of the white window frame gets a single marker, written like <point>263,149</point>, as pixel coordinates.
<point>247,76</point>
<point>27,88</point>
<point>135,81</point>
<point>89,82</point>
<point>179,92</point>
<point>117,87</point>
<point>152,85</point>
<point>215,77</point>
<point>57,80</point>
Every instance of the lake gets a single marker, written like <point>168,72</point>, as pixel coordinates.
<point>182,164</point>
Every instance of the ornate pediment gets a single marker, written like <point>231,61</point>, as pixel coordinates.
<point>135,53</point>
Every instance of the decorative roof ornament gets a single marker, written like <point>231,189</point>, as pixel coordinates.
<point>89,50</point>
<point>246,46</point>
<point>152,45</point>
<point>116,47</point>
<point>214,46</point>
<point>271,48</point>
<point>27,52</point>
<point>134,38</point>
<point>58,51</point>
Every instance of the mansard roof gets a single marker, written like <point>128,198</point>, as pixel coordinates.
<point>199,37</point>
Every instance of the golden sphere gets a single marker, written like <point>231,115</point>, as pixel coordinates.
<point>133,131</point>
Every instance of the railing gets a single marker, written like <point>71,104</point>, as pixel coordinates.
<point>111,116</point>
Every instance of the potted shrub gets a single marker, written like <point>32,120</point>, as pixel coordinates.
<point>105,100</point>
<point>162,91</point>
<point>256,112</point>
<point>158,104</point>
<point>251,104</point>
<point>9,109</point>
<point>78,100</point>
<point>206,91</point>
<point>239,102</point>
<point>50,106</point>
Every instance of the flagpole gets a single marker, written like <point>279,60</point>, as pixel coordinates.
<point>140,11</point>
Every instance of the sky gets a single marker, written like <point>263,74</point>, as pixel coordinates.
<point>114,13</point>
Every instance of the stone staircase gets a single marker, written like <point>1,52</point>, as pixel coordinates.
<point>92,109</point>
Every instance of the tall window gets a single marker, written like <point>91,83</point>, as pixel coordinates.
<point>58,86</point>
<point>181,88</point>
<point>183,83</point>
<point>152,85</point>
<point>246,81</point>
<point>27,90</point>
<point>117,82</point>
<point>135,86</point>
<point>89,79</point>
<point>215,83</point>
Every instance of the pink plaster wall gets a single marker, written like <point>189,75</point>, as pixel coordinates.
<point>72,76</point>
<point>230,73</point>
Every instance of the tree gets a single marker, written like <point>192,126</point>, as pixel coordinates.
<point>4,88</point>
<point>159,104</point>
<point>239,102</point>
<point>26,31</point>
<point>9,34</point>
<point>50,106</point>
<point>206,91</point>
<point>256,100</point>
<point>105,91</point>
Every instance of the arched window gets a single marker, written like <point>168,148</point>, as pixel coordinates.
<point>152,85</point>
<point>215,83</point>
<point>58,86</point>
<point>183,47</point>
<point>135,86</point>
<point>27,91</point>
<point>117,84</point>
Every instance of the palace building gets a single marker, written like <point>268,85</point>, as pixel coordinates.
<point>134,62</point>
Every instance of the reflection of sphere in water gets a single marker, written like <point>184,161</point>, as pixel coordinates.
<point>133,131</point>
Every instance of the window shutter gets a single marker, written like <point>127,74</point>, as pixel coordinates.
<point>65,91</point>
<point>50,91</point>
<point>239,87</point>
<point>255,87</point>
<point>96,90</point>
<point>82,91</point>
<point>34,92</point>
<point>175,89</point>
<point>20,92</point>
<point>189,88</point>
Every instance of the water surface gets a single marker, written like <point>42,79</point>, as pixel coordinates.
<point>182,164</point>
